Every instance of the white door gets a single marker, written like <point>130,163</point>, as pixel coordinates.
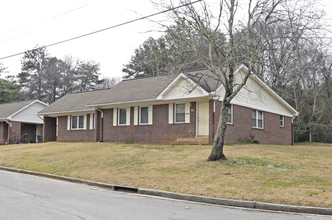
<point>203,119</point>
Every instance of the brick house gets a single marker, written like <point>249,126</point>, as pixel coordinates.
<point>19,122</point>
<point>168,109</point>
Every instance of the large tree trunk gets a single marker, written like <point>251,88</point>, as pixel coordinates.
<point>217,152</point>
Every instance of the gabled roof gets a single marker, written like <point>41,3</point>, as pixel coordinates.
<point>144,89</point>
<point>8,110</point>
<point>192,83</point>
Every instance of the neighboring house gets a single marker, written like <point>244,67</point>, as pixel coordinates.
<point>170,109</point>
<point>19,122</point>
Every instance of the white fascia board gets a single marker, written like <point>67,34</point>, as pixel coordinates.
<point>65,112</point>
<point>273,93</point>
<point>29,122</point>
<point>33,102</point>
<point>159,97</point>
<point>189,98</point>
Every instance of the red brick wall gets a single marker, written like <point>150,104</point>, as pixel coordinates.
<point>16,129</point>
<point>88,135</point>
<point>160,132</point>
<point>49,129</point>
<point>242,131</point>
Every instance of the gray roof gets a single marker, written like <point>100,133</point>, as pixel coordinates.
<point>73,102</point>
<point>204,78</point>
<point>8,109</point>
<point>125,91</point>
<point>135,90</point>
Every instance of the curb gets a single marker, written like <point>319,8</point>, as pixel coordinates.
<point>187,197</point>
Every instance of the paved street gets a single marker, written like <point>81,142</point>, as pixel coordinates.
<point>30,197</point>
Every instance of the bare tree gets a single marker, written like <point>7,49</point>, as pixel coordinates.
<point>245,44</point>
<point>108,82</point>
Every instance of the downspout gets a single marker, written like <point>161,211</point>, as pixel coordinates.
<point>101,127</point>
<point>9,130</point>
<point>292,130</point>
<point>213,120</point>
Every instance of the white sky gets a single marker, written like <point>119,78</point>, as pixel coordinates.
<point>25,24</point>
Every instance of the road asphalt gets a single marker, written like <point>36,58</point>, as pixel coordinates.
<point>25,196</point>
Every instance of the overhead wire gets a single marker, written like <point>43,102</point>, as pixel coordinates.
<point>104,29</point>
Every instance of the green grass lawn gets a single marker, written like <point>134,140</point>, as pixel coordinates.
<point>297,175</point>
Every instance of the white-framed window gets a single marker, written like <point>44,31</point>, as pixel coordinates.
<point>77,122</point>
<point>282,121</point>
<point>180,113</point>
<point>144,115</point>
<point>257,119</point>
<point>122,116</point>
<point>230,115</point>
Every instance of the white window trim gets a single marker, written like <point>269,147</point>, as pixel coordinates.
<point>119,117</point>
<point>256,111</point>
<point>140,116</point>
<point>232,115</point>
<point>71,122</point>
<point>176,122</point>
<point>283,121</point>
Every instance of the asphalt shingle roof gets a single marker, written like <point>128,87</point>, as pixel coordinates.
<point>205,79</point>
<point>8,109</point>
<point>125,91</point>
<point>135,90</point>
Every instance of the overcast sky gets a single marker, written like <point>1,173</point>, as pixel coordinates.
<point>25,24</point>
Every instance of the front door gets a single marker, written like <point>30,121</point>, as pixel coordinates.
<point>203,119</point>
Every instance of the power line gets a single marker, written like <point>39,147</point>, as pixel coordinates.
<point>42,21</point>
<point>104,29</point>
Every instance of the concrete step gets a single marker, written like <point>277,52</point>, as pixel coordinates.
<point>198,140</point>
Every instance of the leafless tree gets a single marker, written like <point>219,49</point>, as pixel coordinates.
<point>248,30</point>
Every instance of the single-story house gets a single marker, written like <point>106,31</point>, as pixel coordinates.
<point>170,109</point>
<point>19,122</point>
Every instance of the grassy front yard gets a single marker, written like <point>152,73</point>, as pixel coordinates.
<point>297,175</point>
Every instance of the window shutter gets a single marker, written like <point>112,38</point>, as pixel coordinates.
<point>128,116</point>
<point>91,121</point>
<point>187,112</point>
<point>68,122</point>
<point>150,107</point>
<point>170,113</point>
<point>115,116</point>
<point>85,121</point>
<point>136,115</point>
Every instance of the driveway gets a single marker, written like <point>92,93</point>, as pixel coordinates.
<point>30,197</point>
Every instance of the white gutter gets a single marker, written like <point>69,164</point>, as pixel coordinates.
<point>51,113</point>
